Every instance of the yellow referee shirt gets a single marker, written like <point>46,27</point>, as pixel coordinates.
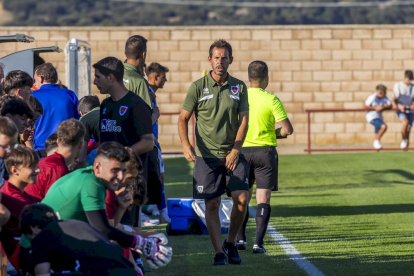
<point>264,110</point>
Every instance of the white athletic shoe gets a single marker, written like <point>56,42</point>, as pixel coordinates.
<point>147,221</point>
<point>377,144</point>
<point>404,144</point>
<point>153,210</point>
<point>164,216</point>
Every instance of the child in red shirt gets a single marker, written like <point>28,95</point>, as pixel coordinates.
<point>70,141</point>
<point>23,170</point>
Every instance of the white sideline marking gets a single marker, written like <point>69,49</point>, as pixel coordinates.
<point>290,250</point>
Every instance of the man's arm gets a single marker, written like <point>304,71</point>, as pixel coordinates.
<point>285,129</point>
<point>233,157</point>
<point>144,145</point>
<point>188,149</point>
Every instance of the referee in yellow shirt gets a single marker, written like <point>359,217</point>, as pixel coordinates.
<point>259,149</point>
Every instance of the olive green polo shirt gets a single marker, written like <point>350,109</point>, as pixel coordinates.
<point>217,111</point>
<point>135,82</point>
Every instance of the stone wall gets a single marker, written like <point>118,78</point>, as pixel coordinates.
<point>311,67</point>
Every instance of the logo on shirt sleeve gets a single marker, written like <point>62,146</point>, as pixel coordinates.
<point>234,90</point>
<point>122,110</point>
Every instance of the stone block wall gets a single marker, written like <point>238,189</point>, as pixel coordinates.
<point>311,67</point>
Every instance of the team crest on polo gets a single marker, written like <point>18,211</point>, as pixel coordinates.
<point>234,90</point>
<point>206,91</point>
<point>122,110</point>
<point>200,189</point>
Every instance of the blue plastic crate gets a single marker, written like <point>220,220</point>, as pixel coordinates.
<point>184,220</point>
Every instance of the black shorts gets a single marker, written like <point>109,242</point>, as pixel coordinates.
<point>211,178</point>
<point>263,163</point>
<point>154,185</point>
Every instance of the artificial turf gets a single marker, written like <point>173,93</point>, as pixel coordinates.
<point>348,214</point>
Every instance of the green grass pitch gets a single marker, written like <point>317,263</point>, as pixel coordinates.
<point>348,214</point>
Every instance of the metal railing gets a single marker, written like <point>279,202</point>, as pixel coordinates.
<point>309,149</point>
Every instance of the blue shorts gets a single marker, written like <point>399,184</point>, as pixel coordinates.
<point>408,116</point>
<point>377,123</point>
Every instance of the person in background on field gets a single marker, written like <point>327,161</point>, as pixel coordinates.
<point>8,138</point>
<point>259,148</point>
<point>88,109</point>
<point>51,144</point>
<point>403,98</point>
<point>18,83</point>
<point>156,74</point>
<point>375,104</point>
<point>70,135</point>
<point>20,113</point>
<point>58,105</point>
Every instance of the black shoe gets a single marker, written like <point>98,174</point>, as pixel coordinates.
<point>259,249</point>
<point>220,259</point>
<point>230,249</point>
<point>241,245</point>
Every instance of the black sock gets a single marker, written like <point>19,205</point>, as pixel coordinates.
<point>262,220</point>
<point>242,232</point>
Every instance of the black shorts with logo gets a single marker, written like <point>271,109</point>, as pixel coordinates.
<point>263,163</point>
<point>211,178</point>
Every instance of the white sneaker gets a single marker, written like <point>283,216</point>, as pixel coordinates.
<point>377,144</point>
<point>404,144</point>
<point>153,210</point>
<point>164,216</point>
<point>147,221</point>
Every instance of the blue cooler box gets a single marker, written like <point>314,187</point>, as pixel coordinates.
<point>184,220</point>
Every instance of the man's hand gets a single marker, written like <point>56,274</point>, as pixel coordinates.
<point>401,107</point>
<point>379,108</point>
<point>123,198</point>
<point>189,152</point>
<point>232,159</point>
<point>27,133</point>
<point>162,177</point>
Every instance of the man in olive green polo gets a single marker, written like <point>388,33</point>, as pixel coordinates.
<point>136,52</point>
<point>221,109</point>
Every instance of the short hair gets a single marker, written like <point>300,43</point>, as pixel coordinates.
<point>381,87</point>
<point>36,215</point>
<point>70,132</point>
<point>258,70</point>
<point>48,72</point>
<point>221,43</point>
<point>135,46</point>
<point>17,79</point>
<point>88,103</point>
<point>51,142</point>
<point>21,156</point>
<point>14,105</point>
<point>409,74</point>
<point>8,127</point>
<point>134,165</point>
<point>137,188</point>
<point>35,104</point>
<point>157,68</point>
<point>113,150</point>
<point>110,65</point>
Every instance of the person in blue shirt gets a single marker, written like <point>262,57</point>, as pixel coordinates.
<point>156,74</point>
<point>58,104</point>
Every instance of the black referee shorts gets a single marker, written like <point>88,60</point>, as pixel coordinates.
<point>211,178</point>
<point>263,163</point>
